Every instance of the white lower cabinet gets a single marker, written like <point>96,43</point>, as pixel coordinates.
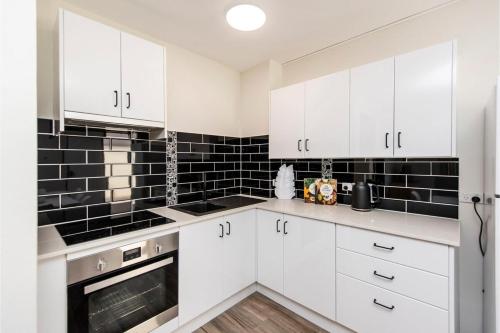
<point>368,281</point>
<point>216,260</point>
<point>239,252</point>
<point>296,257</point>
<point>270,250</point>
<point>309,264</point>
<point>366,308</point>
<point>200,268</point>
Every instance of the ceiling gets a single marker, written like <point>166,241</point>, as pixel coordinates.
<point>293,28</point>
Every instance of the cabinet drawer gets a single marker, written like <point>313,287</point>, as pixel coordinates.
<point>369,309</point>
<point>424,286</point>
<point>409,252</point>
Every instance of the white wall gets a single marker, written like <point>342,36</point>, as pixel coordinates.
<point>254,107</point>
<point>202,94</point>
<point>256,83</point>
<point>474,24</point>
<point>18,202</point>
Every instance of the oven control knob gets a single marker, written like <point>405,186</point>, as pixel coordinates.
<point>101,265</point>
<point>158,248</point>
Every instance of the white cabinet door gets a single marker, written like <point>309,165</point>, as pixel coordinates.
<point>143,79</point>
<point>91,66</point>
<point>309,264</point>
<point>239,252</point>
<point>372,109</point>
<point>327,116</point>
<point>423,102</point>
<point>286,122</point>
<point>270,250</point>
<point>200,268</point>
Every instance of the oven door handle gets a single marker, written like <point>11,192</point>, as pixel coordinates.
<point>125,276</point>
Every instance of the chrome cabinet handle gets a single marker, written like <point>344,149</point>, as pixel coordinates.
<point>383,276</point>
<point>384,247</point>
<point>307,144</point>
<point>278,225</point>
<point>221,230</point>
<point>399,140</point>
<point>299,145</point>
<point>228,228</point>
<point>116,98</point>
<point>284,228</point>
<point>382,305</point>
<point>128,98</point>
<point>386,140</point>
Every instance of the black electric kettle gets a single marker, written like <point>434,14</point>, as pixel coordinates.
<point>364,196</point>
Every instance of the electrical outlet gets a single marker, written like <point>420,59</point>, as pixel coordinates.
<point>347,186</point>
<point>467,197</point>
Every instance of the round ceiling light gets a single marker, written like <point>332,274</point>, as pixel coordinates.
<point>246,17</point>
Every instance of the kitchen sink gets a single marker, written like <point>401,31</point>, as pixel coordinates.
<point>216,205</point>
<point>199,208</point>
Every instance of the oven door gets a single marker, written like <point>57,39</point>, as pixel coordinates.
<point>138,298</point>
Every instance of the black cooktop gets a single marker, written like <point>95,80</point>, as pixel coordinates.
<point>110,226</point>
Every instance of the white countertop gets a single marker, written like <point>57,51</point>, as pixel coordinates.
<point>433,229</point>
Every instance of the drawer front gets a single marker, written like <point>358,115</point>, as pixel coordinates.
<point>356,309</point>
<point>409,252</point>
<point>423,286</point>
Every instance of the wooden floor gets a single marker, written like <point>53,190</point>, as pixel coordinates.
<point>258,314</point>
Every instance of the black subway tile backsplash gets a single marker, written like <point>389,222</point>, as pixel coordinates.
<point>61,215</point>
<point>406,193</point>
<point>81,170</point>
<point>48,172</point>
<point>401,181</point>
<point>61,156</point>
<point>89,172</point>
<point>105,174</point>
<point>61,186</point>
<point>48,202</point>
<point>84,143</point>
<point>445,168</point>
<point>410,168</point>
<point>45,125</point>
<point>82,199</point>
<point>432,209</point>
<point>446,197</point>
<point>48,141</point>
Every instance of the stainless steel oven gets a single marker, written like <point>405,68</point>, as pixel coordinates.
<point>133,288</point>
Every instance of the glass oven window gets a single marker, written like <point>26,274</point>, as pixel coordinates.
<point>124,305</point>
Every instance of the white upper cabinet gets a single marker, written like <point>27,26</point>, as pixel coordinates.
<point>286,125</point>
<point>424,121</point>
<point>91,73</point>
<point>402,106</point>
<point>327,116</point>
<point>372,109</point>
<point>143,73</point>
<point>311,119</point>
<point>109,76</point>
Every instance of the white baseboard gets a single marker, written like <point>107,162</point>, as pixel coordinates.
<point>204,318</point>
<point>300,310</point>
<point>312,316</point>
